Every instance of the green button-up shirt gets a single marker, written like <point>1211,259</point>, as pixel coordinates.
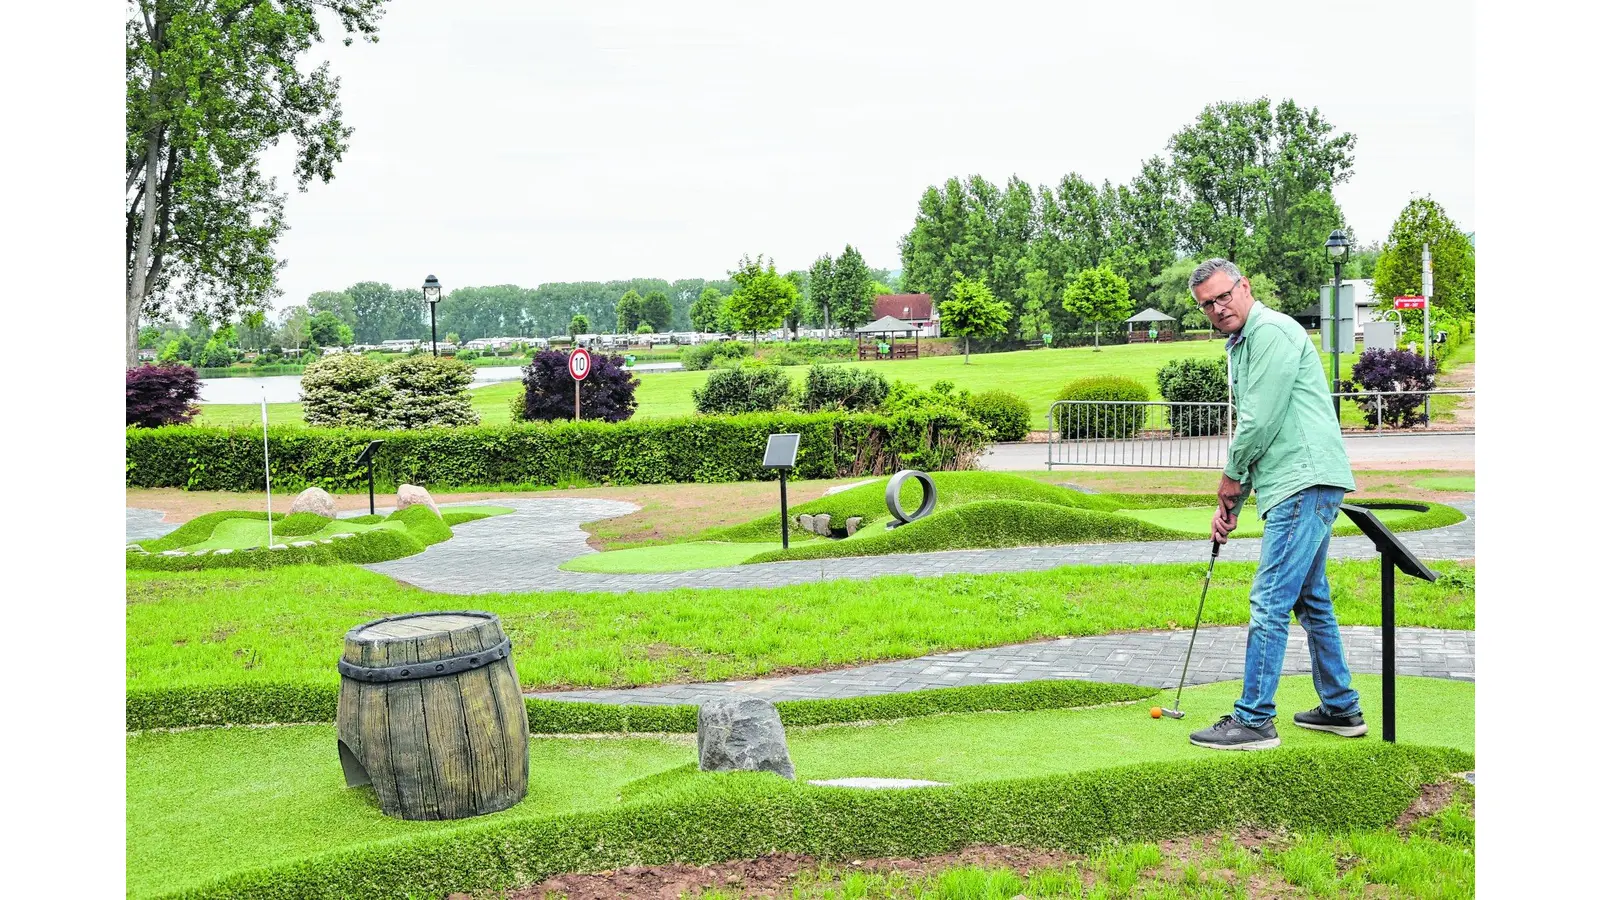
<point>1287,438</point>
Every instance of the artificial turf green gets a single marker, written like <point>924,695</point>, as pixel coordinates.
<point>1197,519</point>
<point>668,557</point>
<point>204,803</point>
<point>216,628</point>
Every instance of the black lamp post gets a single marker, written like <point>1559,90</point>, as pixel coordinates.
<point>430,293</point>
<point>1338,247</point>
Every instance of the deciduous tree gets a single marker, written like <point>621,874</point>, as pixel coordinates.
<point>1098,295</point>
<point>971,310</point>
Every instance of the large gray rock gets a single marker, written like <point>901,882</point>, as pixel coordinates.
<point>851,525</point>
<point>822,524</point>
<point>742,734</point>
<point>805,523</point>
<point>313,500</point>
<point>411,495</point>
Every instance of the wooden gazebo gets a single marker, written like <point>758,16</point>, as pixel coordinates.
<point>1153,325</point>
<point>890,326</point>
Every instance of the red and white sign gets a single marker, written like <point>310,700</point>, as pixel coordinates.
<point>1410,302</point>
<point>578,364</point>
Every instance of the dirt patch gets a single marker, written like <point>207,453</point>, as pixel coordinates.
<point>1433,798</point>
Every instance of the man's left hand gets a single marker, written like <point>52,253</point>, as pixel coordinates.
<point>1226,520</point>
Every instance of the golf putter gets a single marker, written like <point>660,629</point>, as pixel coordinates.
<point>1176,712</point>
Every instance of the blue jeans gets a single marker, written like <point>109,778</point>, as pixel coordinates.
<point>1293,576</point>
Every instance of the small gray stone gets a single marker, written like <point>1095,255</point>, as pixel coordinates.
<point>877,783</point>
<point>805,523</point>
<point>199,552</point>
<point>174,553</point>
<point>742,734</point>
<point>302,543</point>
<point>344,534</point>
<point>135,548</point>
<point>411,495</point>
<point>279,547</point>
<point>325,541</point>
<point>222,551</point>
<point>822,524</point>
<point>313,500</point>
<point>851,525</point>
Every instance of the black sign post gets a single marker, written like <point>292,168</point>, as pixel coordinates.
<point>366,459</point>
<point>781,451</point>
<point>1393,554</point>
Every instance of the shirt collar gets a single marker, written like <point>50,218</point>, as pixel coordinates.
<point>1251,320</point>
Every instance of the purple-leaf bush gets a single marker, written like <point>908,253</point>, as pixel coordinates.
<point>1392,370</point>
<point>547,389</point>
<point>162,395</point>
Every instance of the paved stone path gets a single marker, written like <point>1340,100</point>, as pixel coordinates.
<point>1154,659</point>
<point>146,524</point>
<point>522,552</point>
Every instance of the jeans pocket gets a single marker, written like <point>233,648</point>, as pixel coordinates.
<point>1328,503</point>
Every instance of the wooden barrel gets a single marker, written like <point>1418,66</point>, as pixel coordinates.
<point>430,714</point>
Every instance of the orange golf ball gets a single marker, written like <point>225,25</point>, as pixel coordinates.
<point>1155,712</point>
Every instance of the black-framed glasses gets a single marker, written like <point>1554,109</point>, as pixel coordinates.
<point>1223,298</point>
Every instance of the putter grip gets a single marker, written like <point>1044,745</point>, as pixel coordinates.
<point>1216,546</point>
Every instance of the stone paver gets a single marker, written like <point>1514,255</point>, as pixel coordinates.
<point>1153,659</point>
<point>522,552</point>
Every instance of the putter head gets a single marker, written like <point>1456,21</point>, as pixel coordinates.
<point>1171,713</point>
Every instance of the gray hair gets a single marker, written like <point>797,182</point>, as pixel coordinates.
<point>1209,268</point>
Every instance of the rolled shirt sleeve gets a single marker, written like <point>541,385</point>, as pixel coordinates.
<point>1262,401</point>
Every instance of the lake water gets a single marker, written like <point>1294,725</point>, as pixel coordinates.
<point>286,388</point>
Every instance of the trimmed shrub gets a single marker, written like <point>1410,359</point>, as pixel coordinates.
<point>428,392</point>
<point>424,527</point>
<point>904,396</point>
<point>742,389</point>
<point>843,388</point>
<point>1004,413</point>
<point>345,390</point>
<point>161,395</point>
<point>704,356</point>
<point>744,815</point>
<point>1392,370</point>
<point>691,449</point>
<point>1109,421</point>
<point>548,393</point>
<point>1195,381</point>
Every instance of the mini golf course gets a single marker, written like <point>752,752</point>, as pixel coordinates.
<point>239,538</point>
<point>252,811</point>
<point>975,510</point>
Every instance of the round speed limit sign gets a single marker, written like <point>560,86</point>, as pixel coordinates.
<point>578,364</point>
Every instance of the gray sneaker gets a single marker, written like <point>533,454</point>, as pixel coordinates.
<point>1231,734</point>
<point>1319,720</point>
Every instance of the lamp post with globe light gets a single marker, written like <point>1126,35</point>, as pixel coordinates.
<point>430,293</point>
<point>1338,247</point>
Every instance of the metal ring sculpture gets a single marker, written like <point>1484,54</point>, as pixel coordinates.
<point>930,496</point>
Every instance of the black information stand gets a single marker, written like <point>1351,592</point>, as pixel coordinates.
<point>781,451</point>
<point>1392,553</point>
<point>366,459</point>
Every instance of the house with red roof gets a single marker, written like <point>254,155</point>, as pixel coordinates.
<point>918,309</point>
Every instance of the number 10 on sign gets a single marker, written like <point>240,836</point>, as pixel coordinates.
<point>578,368</point>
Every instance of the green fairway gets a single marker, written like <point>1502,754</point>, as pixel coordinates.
<point>1197,519</point>
<point>211,629</point>
<point>668,558</point>
<point>204,803</point>
<point>241,534</point>
<point>1034,375</point>
<point>1449,483</point>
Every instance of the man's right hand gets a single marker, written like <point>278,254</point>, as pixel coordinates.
<point>1222,524</point>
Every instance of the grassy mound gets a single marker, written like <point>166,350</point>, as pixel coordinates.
<point>245,534</point>
<point>866,501</point>
<point>984,524</point>
<point>245,812</point>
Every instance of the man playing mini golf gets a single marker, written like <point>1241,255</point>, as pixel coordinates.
<point>1287,448</point>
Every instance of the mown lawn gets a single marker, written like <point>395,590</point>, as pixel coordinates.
<point>1034,375</point>
<point>229,627</point>
<point>205,802</point>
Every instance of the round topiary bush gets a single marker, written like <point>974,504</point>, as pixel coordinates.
<point>1116,416</point>
<point>742,389</point>
<point>843,387</point>
<point>1195,381</point>
<point>345,390</point>
<point>1005,413</point>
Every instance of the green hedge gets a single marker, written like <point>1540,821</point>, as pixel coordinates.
<point>693,449</point>
<point>285,704</point>
<point>745,815</point>
<point>1109,421</point>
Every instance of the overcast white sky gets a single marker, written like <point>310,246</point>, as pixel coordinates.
<point>503,141</point>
